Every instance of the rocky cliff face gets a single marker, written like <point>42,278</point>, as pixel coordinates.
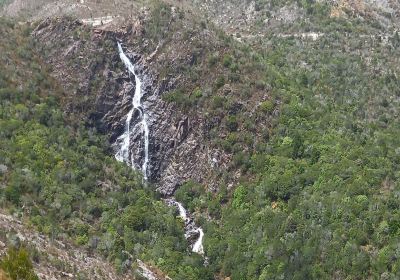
<point>88,65</point>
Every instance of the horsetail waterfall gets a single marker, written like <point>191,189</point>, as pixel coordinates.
<point>124,154</point>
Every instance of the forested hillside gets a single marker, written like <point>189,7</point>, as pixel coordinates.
<point>324,203</point>
<point>276,128</point>
<point>62,176</point>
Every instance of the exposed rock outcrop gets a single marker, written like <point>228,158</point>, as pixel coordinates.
<point>89,68</point>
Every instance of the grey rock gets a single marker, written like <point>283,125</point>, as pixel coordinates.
<point>3,169</point>
<point>178,149</point>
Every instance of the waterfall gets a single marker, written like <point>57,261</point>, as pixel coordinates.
<point>123,141</point>
<point>123,153</point>
<point>190,227</point>
<point>182,211</point>
<point>198,246</point>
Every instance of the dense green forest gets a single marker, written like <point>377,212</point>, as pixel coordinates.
<point>324,200</point>
<point>319,190</point>
<point>318,197</point>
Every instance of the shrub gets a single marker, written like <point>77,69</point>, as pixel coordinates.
<point>267,106</point>
<point>217,102</point>
<point>260,84</point>
<point>197,93</point>
<point>227,61</point>
<point>160,16</point>
<point>220,82</point>
<point>231,123</point>
<point>234,67</point>
<point>178,97</point>
<point>17,265</point>
<point>213,59</point>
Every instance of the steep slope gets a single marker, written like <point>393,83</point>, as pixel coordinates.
<point>41,9</point>
<point>61,175</point>
<point>183,145</point>
<point>287,151</point>
<point>55,259</point>
<point>255,19</point>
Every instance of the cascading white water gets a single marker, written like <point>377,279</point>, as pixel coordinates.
<point>198,245</point>
<point>124,140</point>
<point>182,211</point>
<point>123,153</point>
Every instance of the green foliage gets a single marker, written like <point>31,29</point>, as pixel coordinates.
<point>197,93</point>
<point>157,26</point>
<point>213,59</point>
<point>239,196</point>
<point>318,196</point>
<point>218,102</point>
<point>220,82</point>
<point>66,180</point>
<point>17,265</point>
<point>188,194</point>
<point>227,61</point>
<point>327,184</point>
<point>182,99</point>
<point>232,123</point>
<point>267,106</point>
<point>317,149</point>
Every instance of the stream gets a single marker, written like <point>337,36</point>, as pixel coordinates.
<point>191,230</point>
<point>124,154</point>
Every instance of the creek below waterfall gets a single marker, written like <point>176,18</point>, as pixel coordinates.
<point>191,230</point>
<point>137,121</point>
